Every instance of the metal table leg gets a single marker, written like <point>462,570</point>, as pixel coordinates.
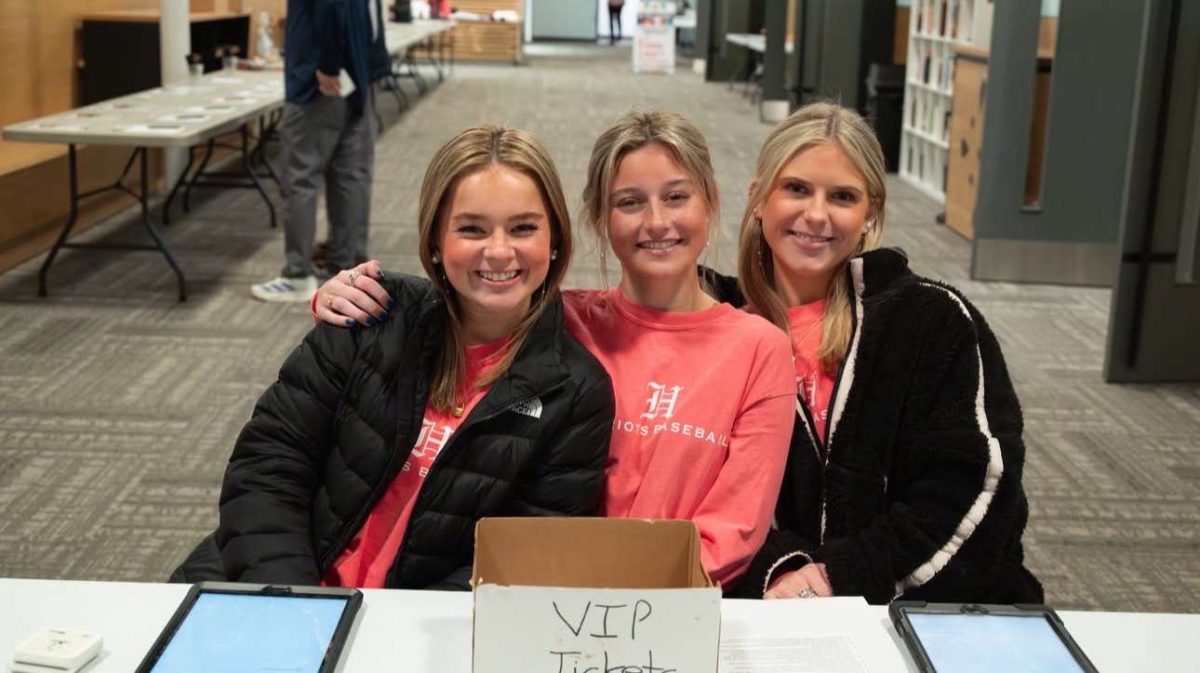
<point>73,181</point>
<point>166,211</point>
<point>143,197</point>
<point>250,172</point>
<point>187,193</point>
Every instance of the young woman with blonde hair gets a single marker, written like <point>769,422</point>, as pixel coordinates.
<point>904,475</point>
<point>334,478</point>
<point>703,391</point>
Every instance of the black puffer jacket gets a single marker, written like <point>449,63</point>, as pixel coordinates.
<point>329,436</point>
<point>919,492</point>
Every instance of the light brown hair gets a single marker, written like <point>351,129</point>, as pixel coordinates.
<point>470,151</point>
<point>809,126</point>
<point>633,131</point>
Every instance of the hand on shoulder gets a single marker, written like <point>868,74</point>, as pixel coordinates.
<point>353,297</point>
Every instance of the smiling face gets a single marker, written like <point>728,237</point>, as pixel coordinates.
<point>494,245</point>
<point>658,216</point>
<point>813,217</point>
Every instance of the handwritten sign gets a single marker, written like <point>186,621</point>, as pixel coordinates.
<point>654,49</point>
<point>559,630</point>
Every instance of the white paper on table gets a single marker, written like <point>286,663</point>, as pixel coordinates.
<point>165,129</point>
<point>225,80</point>
<point>58,126</point>
<point>790,654</point>
<point>187,118</point>
<point>830,635</point>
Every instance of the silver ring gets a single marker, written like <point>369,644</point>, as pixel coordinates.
<point>806,592</point>
<point>352,276</point>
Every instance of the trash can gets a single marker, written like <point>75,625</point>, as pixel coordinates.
<point>885,109</point>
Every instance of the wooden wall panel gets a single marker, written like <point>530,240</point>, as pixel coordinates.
<point>38,51</point>
<point>478,41</point>
<point>1048,34</point>
<point>488,6</point>
<point>487,41</point>
<point>900,40</point>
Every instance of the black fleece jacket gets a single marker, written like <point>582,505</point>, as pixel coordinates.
<point>915,492</point>
<point>327,438</point>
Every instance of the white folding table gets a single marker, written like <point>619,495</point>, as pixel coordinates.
<point>176,116</point>
<point>430,631</point>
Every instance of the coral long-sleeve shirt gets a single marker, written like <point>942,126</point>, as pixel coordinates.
<point>704,413</point>
<point>814,383</point>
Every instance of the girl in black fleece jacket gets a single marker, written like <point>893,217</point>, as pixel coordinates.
<point>904,474</point>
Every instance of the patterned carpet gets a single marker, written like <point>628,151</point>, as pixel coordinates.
<point>119,406</point>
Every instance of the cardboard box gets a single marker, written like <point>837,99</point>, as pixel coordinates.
<point>581,595</point>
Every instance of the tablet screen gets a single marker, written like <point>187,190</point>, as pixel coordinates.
<point>239,633</point>
<point>991,643</point>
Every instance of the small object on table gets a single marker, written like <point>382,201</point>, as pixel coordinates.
<point>56,651</point>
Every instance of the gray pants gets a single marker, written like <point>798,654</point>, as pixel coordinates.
<point>324,140</point>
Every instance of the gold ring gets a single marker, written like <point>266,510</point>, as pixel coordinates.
<point>806,592</point>
<point>329,300</point>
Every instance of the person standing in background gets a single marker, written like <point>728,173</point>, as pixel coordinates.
<point>614,19</point>
<point>327,134</point>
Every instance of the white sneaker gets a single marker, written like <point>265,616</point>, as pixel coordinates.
<point>286,289</point>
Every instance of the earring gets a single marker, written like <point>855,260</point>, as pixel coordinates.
<point>433,258</point>
<point>553,255</point>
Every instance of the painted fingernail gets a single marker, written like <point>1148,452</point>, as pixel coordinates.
<point>381,276</point>
<point>391,304</point>
<point>371,322</point>
<point>350,322</point>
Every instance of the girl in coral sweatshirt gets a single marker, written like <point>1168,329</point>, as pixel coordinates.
<point>704,392</point>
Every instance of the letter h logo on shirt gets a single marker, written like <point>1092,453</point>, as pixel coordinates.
<point>431,440</point>
<point>662,401</point>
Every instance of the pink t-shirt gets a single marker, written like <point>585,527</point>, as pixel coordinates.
<point>813,382</point>
<point>366,560</point>
<point>704,415</point>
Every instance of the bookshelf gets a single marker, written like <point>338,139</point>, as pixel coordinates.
<point>936,27</point>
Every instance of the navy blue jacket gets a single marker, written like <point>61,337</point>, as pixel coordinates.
<point>332,35</point>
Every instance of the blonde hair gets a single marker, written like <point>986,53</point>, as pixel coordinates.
<point>633,131</point>
<point>468,152</point>
<point>809,126</point>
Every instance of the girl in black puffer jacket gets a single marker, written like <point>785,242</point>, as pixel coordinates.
<point>334,480</point>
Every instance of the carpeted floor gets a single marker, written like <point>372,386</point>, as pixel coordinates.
<point>119,406</point>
